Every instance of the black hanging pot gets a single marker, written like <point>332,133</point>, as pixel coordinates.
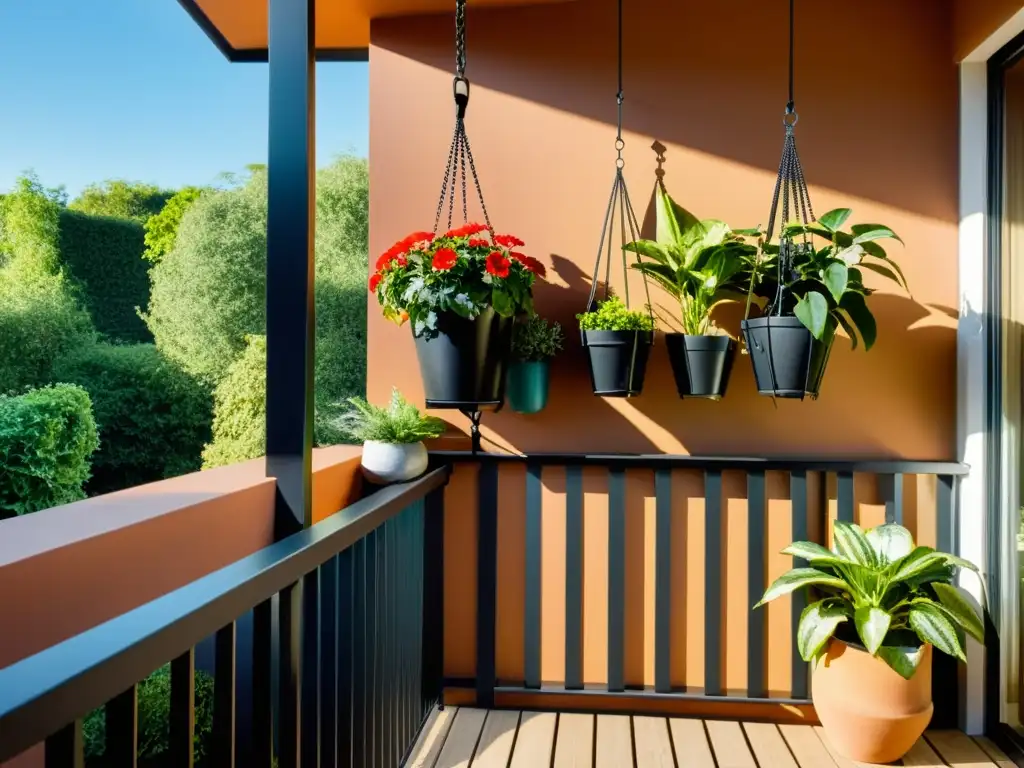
<point>464,365</point>
<point>618,361</point>
<point>701,364</point>
<point>788,361</point>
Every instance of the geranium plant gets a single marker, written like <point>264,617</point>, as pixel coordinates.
<point>465,271</point>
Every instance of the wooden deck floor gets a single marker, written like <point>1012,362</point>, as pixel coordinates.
<point>476,738</point>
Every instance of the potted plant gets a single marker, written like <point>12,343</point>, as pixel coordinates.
<point>618,341</point>
<point>882,605</point>
<point>534,342</point>
<point>392,438</point>
<point>820,290</point>
<point>460,292</point>
<point>700,264</point>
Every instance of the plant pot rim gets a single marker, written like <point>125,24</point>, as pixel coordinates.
<point>673,334</point>
<point>770,319</point>
<point>384,442</point>
<point>858,647</point>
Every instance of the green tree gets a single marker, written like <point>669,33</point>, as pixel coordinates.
<point>240,405</point>
<point>162,229</point>
<point>121,199</point>
<point>208,293</point>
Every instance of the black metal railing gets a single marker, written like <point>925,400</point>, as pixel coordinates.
<point>837,475</point>
<point>346,655</point>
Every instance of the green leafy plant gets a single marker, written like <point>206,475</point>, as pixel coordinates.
<point>162,229</point>
<point>400,422</point>
<point>700,263</point>
<point>240,408</point>
<point>466,270</point>
<point>896,595</point>
<point>47,437</point>
<point>825,286</point>
<point>613,315</point>
<point>536,339</point>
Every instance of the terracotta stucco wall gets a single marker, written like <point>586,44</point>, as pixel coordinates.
<point>878,132</point>
<point>975,20</point>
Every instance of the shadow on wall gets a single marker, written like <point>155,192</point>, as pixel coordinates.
<point>726,63</point>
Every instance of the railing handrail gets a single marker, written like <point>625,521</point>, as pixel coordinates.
<point>748,463</point>
<point>42,693</point>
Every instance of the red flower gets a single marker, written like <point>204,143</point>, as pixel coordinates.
<point>477,242</point>
<point>444,259</point>
<point>466,230</point>
<point>509,241</point>
<point>417,237</point>
<point>534,266</point>
<point>497,264</point>
<point>521,258</point>
<point>374,282</point>
<point>394,252</point>
<point>401,261</point>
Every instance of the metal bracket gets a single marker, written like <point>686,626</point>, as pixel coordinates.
<point>474,430</point>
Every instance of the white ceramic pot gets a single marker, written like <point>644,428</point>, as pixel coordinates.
<point>386,463</point>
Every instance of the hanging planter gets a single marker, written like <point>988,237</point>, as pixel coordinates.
<point>616,338</point>
<point>806,293</point>
<point>701,264</point>
<point>460,289</point>
<point>534,343</point>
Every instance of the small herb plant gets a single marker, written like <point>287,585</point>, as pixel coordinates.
<point>612,315</point>
<point>536,339</point>
<point>897,596</point>
<point>699,263</point>
<point>400,423</point>
<point>825,286</point>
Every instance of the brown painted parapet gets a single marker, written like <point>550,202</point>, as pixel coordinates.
<point>69,568</point>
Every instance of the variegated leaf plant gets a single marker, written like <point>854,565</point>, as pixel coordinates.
<point>898,596</point>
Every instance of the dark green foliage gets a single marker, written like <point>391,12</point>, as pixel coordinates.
<point>46,438</point>
<point>104,257</point>
<point>162,229</point>
<point>153,417</point>
<point>240,406</point>
<point>122,200</point>
<point>208,293</point>
<point>154,708</point>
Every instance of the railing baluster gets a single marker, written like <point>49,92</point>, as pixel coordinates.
<point>309,680</point>
<point>222,748</point>
<point>262,685</point>
<point>892,491</point>
<point>122,726</point>
<point>486,582</point>
<point>573,577</point>
<point>347,624</point>
<point>372,651</point>
<point>289,672</point>
<point>798,496</point>
<point>757,511</point>
<point>945,683</point>
<point>403,630</point>
<point>183,710</point>
<point>430,605</point>
<point>362,676</point>
<point>844,484</point>
<point>532,590</point>
<point>387,666</point>
<point>663,581</point>
<point>329,663</point>
<point>616,578</point>
<point>66,748</point>
<point>713,582</point>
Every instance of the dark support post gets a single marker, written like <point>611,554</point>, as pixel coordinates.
<point>291,208</point>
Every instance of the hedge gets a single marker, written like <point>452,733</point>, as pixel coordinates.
<point>153,417</point>
<point>104,256</point>
<point>47,436</point>
<point>240,405</point>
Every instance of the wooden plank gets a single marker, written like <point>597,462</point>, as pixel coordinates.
<point>921,755</point>
<point>957,749</point>
<point>575,745</point>
<point>431,739</point>
<point>768,745</point>
<point>496,740</point>
<point>691,743</point>
<point>806,746</point>
<point>1000,758</point>
<point>462,738</point>
<point>729,745</point>
<point>840,760</point>
<point>614,742</point>
<point>652,743</point>
<point>536,740</point>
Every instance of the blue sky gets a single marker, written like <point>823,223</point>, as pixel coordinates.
<point>99,89</point>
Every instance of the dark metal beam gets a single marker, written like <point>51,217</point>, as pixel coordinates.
<point>291,209</point>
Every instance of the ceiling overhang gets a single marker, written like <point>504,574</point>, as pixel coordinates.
<point>239,27</point>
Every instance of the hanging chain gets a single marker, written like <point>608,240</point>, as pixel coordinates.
<point>460,156</point>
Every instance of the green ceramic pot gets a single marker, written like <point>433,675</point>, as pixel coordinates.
<point>527,388</point>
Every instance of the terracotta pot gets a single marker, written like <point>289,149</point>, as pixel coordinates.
<point>869,712</point>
